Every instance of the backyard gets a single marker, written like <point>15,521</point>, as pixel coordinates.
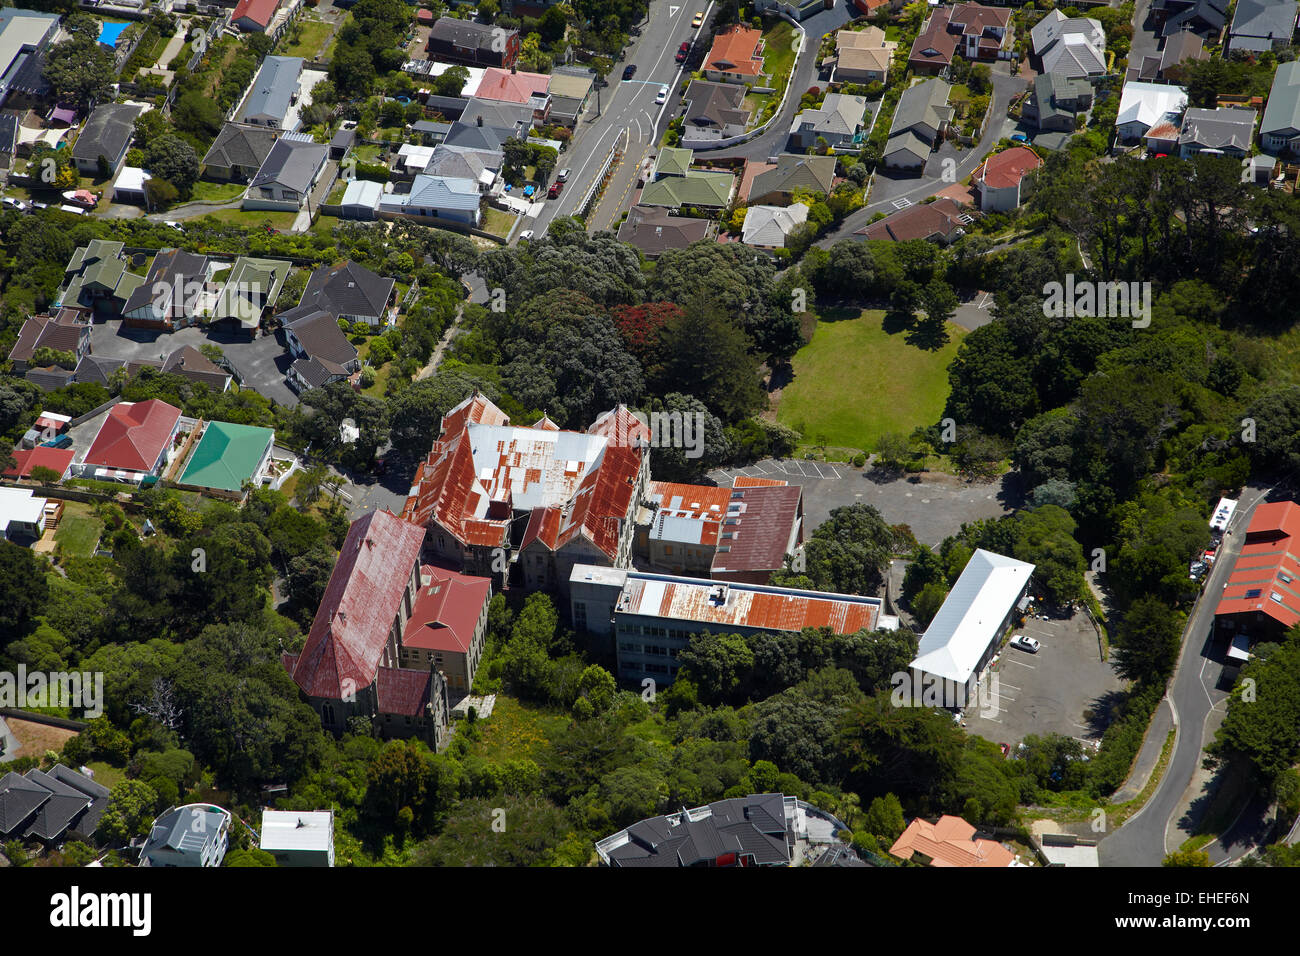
<point>855,381</point>
<point>497,221</point>
<point>79,530</point>
<point>307,38</point>
<point>778,52</point>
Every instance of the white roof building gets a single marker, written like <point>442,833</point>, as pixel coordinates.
<point>21,513</point>
<point>962,636</point>
<point>299,837</point>
<point>1143,105</point>
<point>768,226</point>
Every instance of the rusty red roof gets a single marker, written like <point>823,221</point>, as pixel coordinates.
<point>402,691</point>
<point>745,606</point>
<point>258,11</point>
<point>743,481</point>
<point>356,613</point>
<point>133,436</point>
<point>446,611</point>
<point>1265,575</point>
<point>762,526</point>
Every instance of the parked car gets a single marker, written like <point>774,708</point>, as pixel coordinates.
<point>563,175</point>
<point>63,441</point>
<point>18,204</point>
<point>1024,643</point>
<point>40,205</point>
<point>629,71</point>
<point>661,96</point>
<point>1019,138</point>
<point>699,19</point>
<point>526,236</point>
<point>555,190</point>
<point>175,225</point>
<point>683,50</point>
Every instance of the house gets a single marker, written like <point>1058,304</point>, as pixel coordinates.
<point>322,352</point>
<point>197,834</point>
<point>135,441</point>
<point>633,606</point>
<point>793,172</point>
<point>967,630</point>
<point>1143,105</point>
<point>454,199</point>
<point>97,369</point>
<point>794,9</point>
<point>253,16</point>
<point>174,293</point>
<point>67,332</point>
<point>968,30</point>
<point>238,152</point>
<point>447,629</point>
<point>349,665</point>
<point>653,230</point>
<point>999,180</point>
<point>1279,132</point>
<point>570,93</point>
<point>767,227</point>
<point>949,842</point>
<point>1070,46</point>
<point>714,111</point>
<point>22,514</point>
<point>1203,17</point>
<point>1261,25</point>
<point>351,292</point>
<point>1219,132</point>
<point>25,35</point>
<point>862,56</point>
<point>736,56</point>
<point>273,91</point>
<point>837,122</point>
<point>298,837</point>
<point>1054,101</point>
<point>58,460</point>
<point>768,829</point>
<point>361,200</point>
<point>1259,601</point>
<point>478,136</point>
<point>189,363</point>
<point>920,119</point>
<point>940,221</point>
<point>675,184</point>
<point>129,187</point>
<point>250,291</point>
<point>228,458</point>
<point>742,534</point>
<point>51,806</point>
<point>1179,48</point>
<point>101,148</point>
<point>473,44</point>
<point>288,175</point>
<point>512,86</point>
<point>457,162</point>
<point>574,493</point>
<point>411,159</point>
<point>500,114</point>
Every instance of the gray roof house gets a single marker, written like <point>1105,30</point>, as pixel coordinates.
<point>1072,46</point>
<point>238,152</point>
<point>653,230</point>
<point>455,199</point>
<point>287,176</point>
<point>272,92</point>
<point>516,117</point>
<point>250,290</point>
<point>193,835</point>
<point>51,805</point>
<point>462,163</point>
<point>714,111</point>
<point>24,35</point>
<point>1279,132</point>
<point>481,136</point>
<point>838,121</point>
<point>349,291</point>
<point>767,227</point>
<point>1219,132</point>
<point>1054,100</point>
<point>919,120</point>
<point>322,353</point>
<point>793,171</point>
<point>1259,25</point>
<point>107,134</point>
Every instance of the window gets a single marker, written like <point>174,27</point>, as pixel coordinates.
<point>1254,592</point>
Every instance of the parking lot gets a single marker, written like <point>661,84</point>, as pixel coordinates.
<point>1063,689</point>
<point>934,505</point>
<point>261,363</point>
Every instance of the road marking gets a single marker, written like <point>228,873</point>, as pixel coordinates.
<point>673,11</point>
<point>901,204</point>
<point>1012,686</point>
<point>1030,666</point>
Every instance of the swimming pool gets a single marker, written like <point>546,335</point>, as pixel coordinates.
<point>109,33</point>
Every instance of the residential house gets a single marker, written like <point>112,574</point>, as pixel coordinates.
<point>939,221</point>
<point>189,363</point>
<point>1203,17</point>
<point>1279,132</point>
<point>447,629</point>
<point>58,460</point>
<point>68,331</point>
<point>288,175</point>
<point>25,36</point>
<point>794,9</point>
<point>737,57</point>
<point>652,617</point>
<point>22,515</point>
<point>654,230</point>
<point>238,152</point>
<point>479,136</point>
<point>1259,602</point>
<point>101,148</point>
<point>322,353</point>
<point>361,200</point>
<point>1261,25</point>
<point>350,663</point>
<point>570,92</point>
<point>1218,132</point>
<point>1143,105</point>
<point>767,227</point>
<point>174,294</point>
<point>457,162</point>
<point>516,116</point>
<point>51,805</point>
<point>1072,47</point>
<point>792,173</point>
<point>135,441</point>
<point>253,16</point>
<point>350,291</point>
<point>675,184</point>
<point>999,181</point>
<point>453,199</point>
<point>274,90</point>
<point>1179,48</point>
<point>197,834</point>
<point>474,44</point>
<point>129,187</point>
<point>298,837</point>
<point>714,111</point>
<point>512,86</point>
<point>920,119</point>
<point>969,30</point>
<point>250,291</point>
<point>98,369</point>
<point>96,277</point>
<point>949,842</point>
<point>837,122</point>
<point>862,56</point>
<point>228,458</point>
<point>1054,101</point>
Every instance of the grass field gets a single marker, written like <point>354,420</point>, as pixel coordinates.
<point>517,730</point>
<point>204,191</point>
<point>78,530</point>
<point>854,382</point>
<point>311,40</point>
<point>497,221</point>
<point>778,51</point>
<point>254,217</point>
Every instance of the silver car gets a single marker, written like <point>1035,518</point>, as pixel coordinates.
<point>1025,643</point>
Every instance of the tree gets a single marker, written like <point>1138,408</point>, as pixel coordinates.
<point>1264,730</point>
<point>724,376</point>
<point>884,819</point>
<point>174,160</point>
<point>848,552</point>
<point>1150,633</point>
<point>927,602</point>
<point>597,686</point>
<point>80,70</point>
<point>1045,538</point>
<point>22,582</point>
<point>716,664</point>
<point>1186,858</point>
<point>131,806</point>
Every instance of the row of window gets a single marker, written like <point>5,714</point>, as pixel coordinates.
<point>654,649</point>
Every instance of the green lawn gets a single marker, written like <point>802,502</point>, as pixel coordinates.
<point>254,217</point>
<point>497,221</point>
<point>854,382</point>
<point>204,191</point>
<point>79,530</point>
<point>778,51</point>
<point>310,41</point>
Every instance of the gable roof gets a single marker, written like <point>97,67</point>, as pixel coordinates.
<point>839,113</point>
<point>1007,168</point>
<point>1209,15</point>
<point>251,286</point>
<point>652,230</point>
<point>446,611</point>
<point>63,332</point>
<point>257,11</point>
<point>348,289</point>
<point>292,163</point>
<point>133,436</point>
<point>758,827</point>
<point>924,104</point>
<point>444,192</point>
<point>1218,129</point>
<point>511,86</point>
<point>318,332</point>
<point>934,44</point>
<point>227,455</point>
<point>1282,113</point>
<point>239,145</point>
<point>67,803</point>
<point>351,627</point>
<point>107,132</point>
<point>1263,579</point>
<point>695,188</point>
<point>192,364</point>
<point>465,33</point>
<point>19,800</point>
<point>1149,103</point>
<point>25,459</point>
<point>1056,25</point>
<point>793,171</point>
<point>273,87</point>
<point>1257,24</point>
<point>174,268</point>
<point>735,50</point>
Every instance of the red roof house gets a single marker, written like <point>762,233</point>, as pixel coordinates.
<point>448,625</point>
<point>135,437</point>
<point>1263,594</point>
<point>949,842</point>
<point>998,179</point>
<point>56,459</point>
<point>736,56</point>
<point>254,16</point>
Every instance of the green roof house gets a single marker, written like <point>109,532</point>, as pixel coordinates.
<point>96,277</point>
<point>251,288</point>
<point>673,161</point>
<point>227,456</point>
<point>696,188</point>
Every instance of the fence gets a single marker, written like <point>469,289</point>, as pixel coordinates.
<point>46,719</point>
<point>599,181</point>
<point>80,419</point>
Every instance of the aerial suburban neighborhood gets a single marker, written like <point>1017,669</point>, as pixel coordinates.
<point>842,433</point>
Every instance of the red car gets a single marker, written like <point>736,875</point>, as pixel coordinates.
<point>682,50</point>
<point>555,190</point>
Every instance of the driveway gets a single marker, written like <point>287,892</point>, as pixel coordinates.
<point>934,506</point>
